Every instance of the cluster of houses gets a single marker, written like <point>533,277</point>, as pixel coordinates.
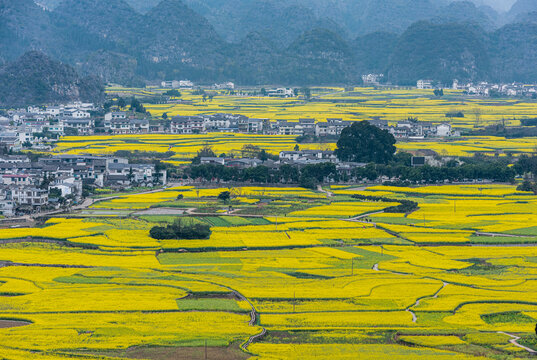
<point>416,130</point>
<point>303,127</point>
<point>38,127</point>
<point>485,88</point>
<point>298,158</point>
<point>26,186</point>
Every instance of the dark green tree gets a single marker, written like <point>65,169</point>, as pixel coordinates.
<point>121,102</point>
<point>224,196</point>
<point>363,142</point>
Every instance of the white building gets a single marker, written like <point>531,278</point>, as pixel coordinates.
<point>372,79</point>
<point>174,84</point>
<point>281,92</point>
<point>224,86</point>
<point>443,130</point>
<point>77,114</point>
<point>115,115</point>
<point>425,84</point>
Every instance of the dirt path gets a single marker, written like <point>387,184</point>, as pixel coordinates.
<point>487,234</point>
<point>514,341</point>
<point>328,193</point>
<point>254,316</point>
<point>360,217</point>
<point>418,301</point>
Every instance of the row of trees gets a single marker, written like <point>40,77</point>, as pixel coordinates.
<point>398,170</point>
<point>121,103</point>
<point>308,176</point>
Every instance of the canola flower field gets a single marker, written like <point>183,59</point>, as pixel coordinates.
<point>356,105</point>
<point>290,273</point>
<point>351,105</point>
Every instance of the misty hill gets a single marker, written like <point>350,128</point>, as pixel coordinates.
<point>522,7</point>
<point>291,42</point>
<point>514,52</point>
<point>466,12</point>
<point>35,79</point>
<point>442,52</point>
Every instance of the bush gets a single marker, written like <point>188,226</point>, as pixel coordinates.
<point>180,230</point>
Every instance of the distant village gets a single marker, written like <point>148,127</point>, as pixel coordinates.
<point>481,89</point>
<point>30,185</point>
<point>39,127</point>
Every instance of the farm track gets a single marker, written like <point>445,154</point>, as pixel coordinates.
<point>514,341</point>
<point>488,234</point>
<point>418,301</point>
<point>254,315</point>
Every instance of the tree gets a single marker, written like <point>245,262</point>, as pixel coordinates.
<point>297,147</point>
<point>263,92</point>
<point>137,106</point>
<point>130,176</point>
<point>55,193</point>
<point>439,92</point>
<point>205,151</point>
<point>165,116</point>
<point>121,103</point>
<point>224,196</point>
<point>363,142</point>
<point>263,156</point>
<point>307,93</point>
<point>173,92</point>
<point>250,151</point>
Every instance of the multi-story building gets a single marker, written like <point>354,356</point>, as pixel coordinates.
<point>30,196</point>
<point>425,84</point>
<point>187,125</point>
<point>82,126</point>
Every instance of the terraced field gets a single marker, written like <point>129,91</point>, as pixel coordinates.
<point>351,105</point>
<point>290,273</point>
<point>356,105</point>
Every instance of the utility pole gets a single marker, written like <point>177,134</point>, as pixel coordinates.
<point>352,267</point>
<point>205,349</point>
<point>455,205</point>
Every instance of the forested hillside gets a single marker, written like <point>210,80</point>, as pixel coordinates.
<point>34,79</point>
<point>292,42</point>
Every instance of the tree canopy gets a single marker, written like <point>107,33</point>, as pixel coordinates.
<point>363,142</point>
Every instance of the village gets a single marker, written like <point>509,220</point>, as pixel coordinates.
<point>39,127</point>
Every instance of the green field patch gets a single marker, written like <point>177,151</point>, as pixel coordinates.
<point>487,338</point>
<point>530,231</point>
<point>516,317</point>
<point>482,267</point>
<point>78,279</point>
<point>209,304</point>
<point>366,259</point>
<point>502,240</point>
<point>196,259</point>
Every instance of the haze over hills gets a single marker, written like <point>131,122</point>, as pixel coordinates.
<point>275,41</point>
